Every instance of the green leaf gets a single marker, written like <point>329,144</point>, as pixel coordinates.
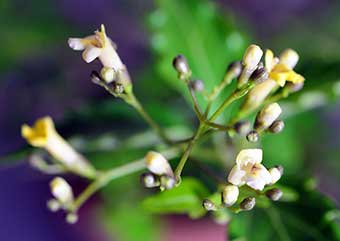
<point>196,29</point>
<point>128,222</point>
<point>312,217</point>
<point>184,199</point>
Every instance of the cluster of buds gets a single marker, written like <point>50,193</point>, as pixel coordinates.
<point>249,171</point>
<point>63,198</point>
<point>44,135</point>
<point>160,172</point>
<point>267,119</point>
<point>113,72</point>
<point>275,73</point>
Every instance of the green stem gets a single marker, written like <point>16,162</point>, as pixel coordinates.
<point>106,177</point>
<point>133,101</point>
<point>186,153</point>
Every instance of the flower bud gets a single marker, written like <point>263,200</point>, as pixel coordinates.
<point>157,164</point>
<point>252,57</point>
<point>108,74</point>
<point>253,136</point>
<point>180,64</point>
<point>235,68</point>
<point>71,218</point>
<point>61,190</point>
<point>149,180</point>
<point>274,194</point>
<point>248,203</point>
<point>275,174</point>
<point>53,205</point>
<point>267,116</point>
<point>294,87</point>
<point>242,127</point>
<point>197,85</point>
<point>230,195</point>
<point>208,205</point>
<point>289,58</point>
<point>95,77</point>
<point>277,126</point>
<point>280,168</point>
<point>259,75</point>
<point>167,182</point>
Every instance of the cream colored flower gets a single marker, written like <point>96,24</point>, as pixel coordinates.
<point>267,116</point>
<point>43,134</point>
<point>157,164</point>
<point>249,170</point>
<point>98,46</point>
<point>61,190</point>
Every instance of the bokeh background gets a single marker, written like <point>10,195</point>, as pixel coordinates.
<point>40,75</point>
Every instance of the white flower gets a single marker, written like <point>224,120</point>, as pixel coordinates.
<point>230,195</point>
<point>249,171</point>
<point>61,190</point>
<point>43,134</point>
<point>98,46</point>
<point>157,164</point>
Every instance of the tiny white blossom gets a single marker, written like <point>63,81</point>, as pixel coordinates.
<point>249,170</point>
<point>230,195</point>
<point>157,164</point>
<point>98,46</point>
<point>61,190</point>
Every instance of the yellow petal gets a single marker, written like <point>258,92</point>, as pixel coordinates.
<point>269,59</point>
<point>39,133</point>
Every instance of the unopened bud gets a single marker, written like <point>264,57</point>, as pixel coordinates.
<point>167,182</point>
<point>230,195</point>
<point>149,180</point>
<point>275,174</point>
<point>289,58</point>
<point>277,126</point>
<point>280,168</point>
<point>157,164</point>
<point>242,127</point>
<point>235,68</point>
<point>248,203</point>
<point>267,116</point>
<point>108,74</point>
<point>71,218</point>
<point>95,77</point>
<point>61,190</point>
<point>180,64</point>
<point>208,205</point>
<point>274,194</point>
<point>259,75</point>
<point>253,136</point>
<point>197,85</point>
<point>53,205</point>
<point>252,57</point>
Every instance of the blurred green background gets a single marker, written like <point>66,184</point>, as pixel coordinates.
<point>41,76</point>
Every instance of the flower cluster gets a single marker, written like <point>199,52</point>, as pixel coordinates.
<point>249,171</point>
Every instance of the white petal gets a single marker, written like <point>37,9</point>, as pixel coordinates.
<point>275,175</point>
<point>91,53</point>
<point>289,57</point>
<point>230,195</point>
<point>256,183</point>
<point>157,164</point>
<point>236,176</point>
<point>263,173</point>
<point>110,58</point>
<point>246,156</point>
<point>76,43</point>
